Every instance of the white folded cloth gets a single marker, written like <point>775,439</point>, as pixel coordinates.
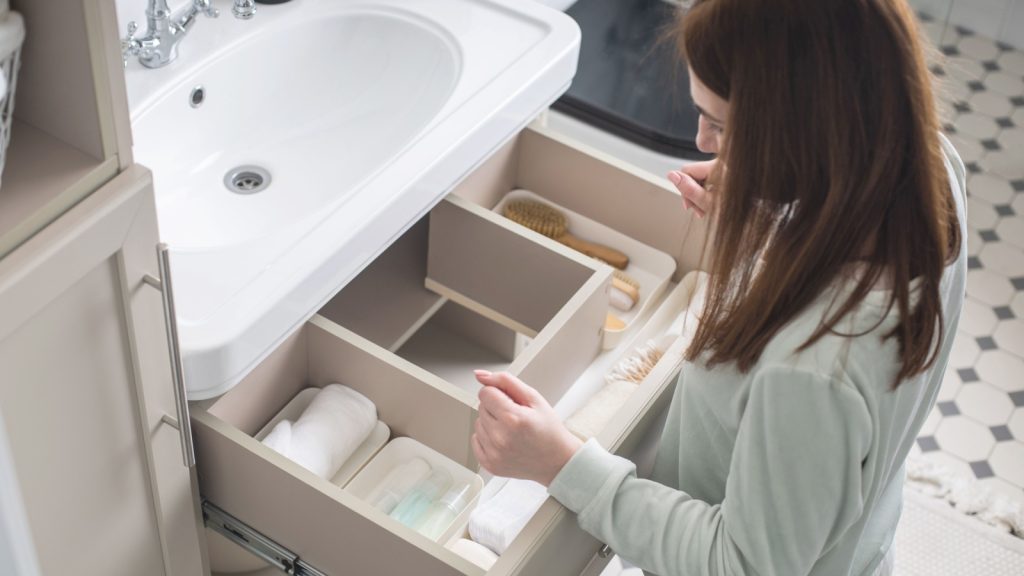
<point>504,508</point>
<point>335,423</point>
<point>474,552</point>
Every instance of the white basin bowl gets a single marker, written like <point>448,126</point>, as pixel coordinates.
<point>364,114</point>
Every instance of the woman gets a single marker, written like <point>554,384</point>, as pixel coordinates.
<point>837,277</point>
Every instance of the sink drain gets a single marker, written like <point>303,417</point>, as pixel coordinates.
<point>247,180</point>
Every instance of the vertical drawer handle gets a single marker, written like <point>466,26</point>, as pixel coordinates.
<point>166,288</point>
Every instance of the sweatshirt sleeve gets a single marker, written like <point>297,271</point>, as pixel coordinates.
<point>794,487</point>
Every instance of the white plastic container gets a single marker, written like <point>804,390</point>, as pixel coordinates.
<point>12,34</point>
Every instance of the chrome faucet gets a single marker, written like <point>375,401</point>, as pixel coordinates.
<point>164,30</point>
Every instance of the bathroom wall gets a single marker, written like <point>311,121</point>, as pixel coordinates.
<point>997,19</point>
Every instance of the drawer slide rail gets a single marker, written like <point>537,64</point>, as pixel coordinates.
<point>249,539</point>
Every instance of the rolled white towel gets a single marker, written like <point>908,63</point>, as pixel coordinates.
<point>504,508</point>
<point>335,423</point>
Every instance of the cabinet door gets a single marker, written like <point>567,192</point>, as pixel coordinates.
<point>86,395</point>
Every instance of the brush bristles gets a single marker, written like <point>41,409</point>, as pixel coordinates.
<point>637,366</point>
<point>626,278</point>
<point>538,217</point>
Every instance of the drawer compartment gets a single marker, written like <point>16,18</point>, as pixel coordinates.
<point>463,288</point>
<point>324,525</point>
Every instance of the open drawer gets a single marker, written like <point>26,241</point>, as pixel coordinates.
<point>463,288</point>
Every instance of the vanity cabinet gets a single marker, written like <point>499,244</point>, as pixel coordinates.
<point>93,478</point>
<point>466,269</point>
<point>89,423</point>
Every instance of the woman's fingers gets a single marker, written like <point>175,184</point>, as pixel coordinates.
<point>514,388</point>
<point>695,196</point>
<point>690,181</point>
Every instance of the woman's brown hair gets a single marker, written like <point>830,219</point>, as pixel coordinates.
<point>831,157</point>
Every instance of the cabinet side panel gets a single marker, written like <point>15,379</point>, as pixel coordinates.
<point>69,403</point>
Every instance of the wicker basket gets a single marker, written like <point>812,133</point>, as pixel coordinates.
<point>12,33</point>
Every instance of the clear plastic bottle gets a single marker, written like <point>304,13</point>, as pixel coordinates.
<point>418,501</point>
<point>441,515</point>
<point>398,483</point>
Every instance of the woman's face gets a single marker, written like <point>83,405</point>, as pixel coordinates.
<point>713,112</point>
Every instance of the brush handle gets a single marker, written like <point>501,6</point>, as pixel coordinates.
<point>610,255</point>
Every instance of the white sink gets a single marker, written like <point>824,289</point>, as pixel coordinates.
<point>364,114</point>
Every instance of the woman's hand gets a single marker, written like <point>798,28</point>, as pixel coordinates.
<point>517,433</point>
<point>690,181</point>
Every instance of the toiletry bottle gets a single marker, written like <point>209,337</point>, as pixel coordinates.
<point>443,512</point>
<point>397,484</point>
<point>423,494</point>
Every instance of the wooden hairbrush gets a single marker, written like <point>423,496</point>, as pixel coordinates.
<point>550,222</point>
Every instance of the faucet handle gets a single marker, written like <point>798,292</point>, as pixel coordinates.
<point>206,7</point>
<point>130,46</point>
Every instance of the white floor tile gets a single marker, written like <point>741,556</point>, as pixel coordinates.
<point>989,288</point>
<point>1009,335</point>
<point>1017,305</point>
<point>1003,258</point>
<point>970,149</point>
<point>965,352</point>
<point>1012,139</point>
<point>1001,487</point>
<point>984,403</point>
<point>1016,424</point>
<point>953,90</point>
<point>976,125</point>
<point>991,104</point>
<point>1018,117</point>
<point>977,319</point>
<point>1003,163</point>
<point>1005,84</point>
<point>980,213</point>
<point>978,48</point>
<point>1012,62</point>
<point>1018,203</point>
<point>950,385</point>
<point>964,69</point>
<point>990,188</point>
<point>1001,369</point>
<point>964,438</point>
<point>974,242</point>
<point>1011,229</point>
<point>1007,461</point>
<point>952,463</point>
<point>931,423</point>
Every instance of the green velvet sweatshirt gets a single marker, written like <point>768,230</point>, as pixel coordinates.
<point>792,468</point>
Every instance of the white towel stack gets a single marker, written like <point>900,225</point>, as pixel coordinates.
<point>335,423</point>
<point>504,508</point>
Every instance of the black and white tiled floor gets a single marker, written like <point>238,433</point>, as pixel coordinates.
<point>977,427</point>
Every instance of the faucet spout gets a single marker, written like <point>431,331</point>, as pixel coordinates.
<point>164,31</point>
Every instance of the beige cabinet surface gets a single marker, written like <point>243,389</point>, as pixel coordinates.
<point>469,278</point>
<point>86,396</point>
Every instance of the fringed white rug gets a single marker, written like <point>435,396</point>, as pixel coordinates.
<point>954,526</point>
<point>951,526</point>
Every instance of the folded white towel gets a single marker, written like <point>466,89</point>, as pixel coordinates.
<point>504,508</point>
<point>335,423</point>
<point>474,552</point>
